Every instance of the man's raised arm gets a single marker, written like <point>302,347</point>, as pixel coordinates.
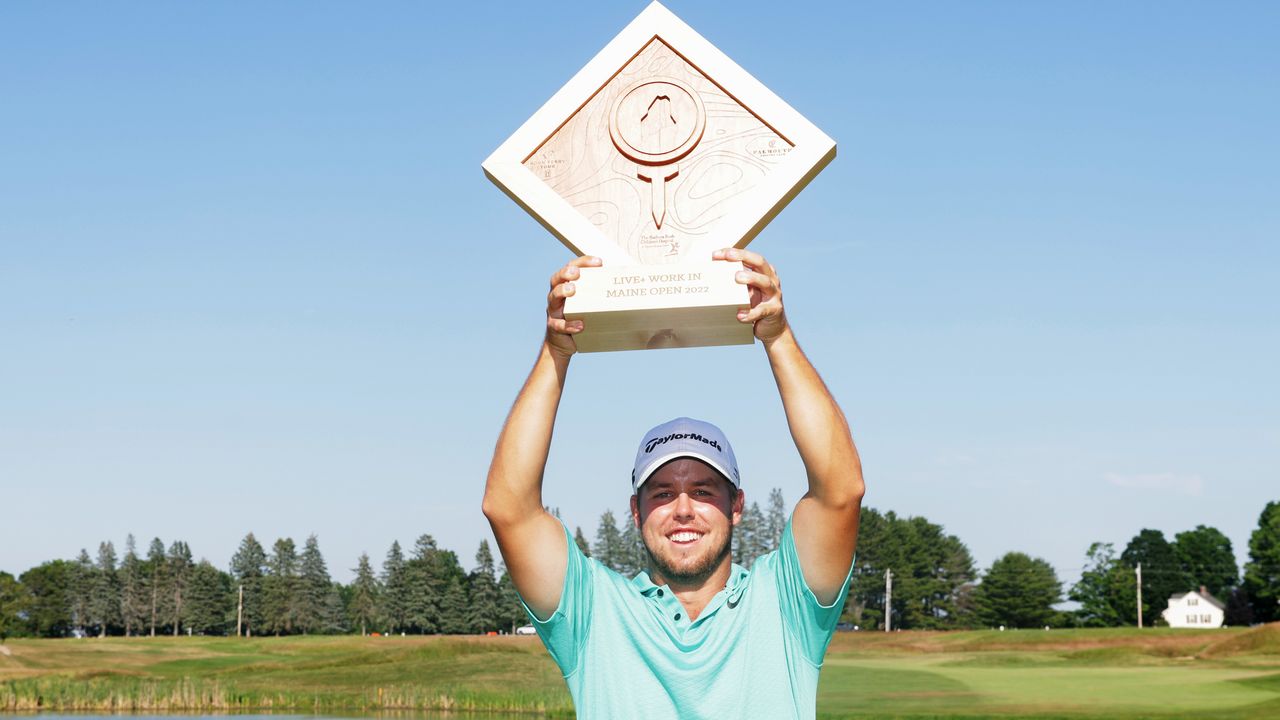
<point>825,523</point>
<point>531,541</point>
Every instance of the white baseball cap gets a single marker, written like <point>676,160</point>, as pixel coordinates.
<point>684,437</point>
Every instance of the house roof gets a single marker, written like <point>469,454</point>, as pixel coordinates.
<point>1205,596</point>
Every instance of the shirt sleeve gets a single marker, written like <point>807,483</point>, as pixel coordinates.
<point>565,631</point>
<point>810,623</point>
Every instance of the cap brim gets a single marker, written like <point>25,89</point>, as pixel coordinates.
<point>664,459</point>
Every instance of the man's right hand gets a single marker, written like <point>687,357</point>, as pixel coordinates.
<point>560,332</point>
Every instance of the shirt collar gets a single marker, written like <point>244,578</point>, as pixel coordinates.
<point>644,584</point>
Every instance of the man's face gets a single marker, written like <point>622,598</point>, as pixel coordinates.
<point>686,512</point>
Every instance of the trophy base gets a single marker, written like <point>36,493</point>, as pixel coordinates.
<point>647,307</point>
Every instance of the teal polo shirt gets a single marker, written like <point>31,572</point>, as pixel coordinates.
<point>628,650</point>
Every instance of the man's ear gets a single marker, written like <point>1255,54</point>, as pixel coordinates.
<point>635,510</point>
<point>739,502</point>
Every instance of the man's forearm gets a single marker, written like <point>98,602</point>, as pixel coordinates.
<point>818,427</point>
<point>514,487</point>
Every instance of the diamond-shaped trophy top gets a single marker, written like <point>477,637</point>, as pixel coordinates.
<point>660,147</point>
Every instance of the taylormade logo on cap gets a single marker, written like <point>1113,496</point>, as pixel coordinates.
<point>684,437</point>
<point>680,436</point>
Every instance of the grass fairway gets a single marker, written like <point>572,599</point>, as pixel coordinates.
<point>1061,673</point>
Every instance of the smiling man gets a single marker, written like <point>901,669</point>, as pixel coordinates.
<point>695,636</point>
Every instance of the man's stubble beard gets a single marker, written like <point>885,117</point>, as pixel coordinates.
<point>696,574</point>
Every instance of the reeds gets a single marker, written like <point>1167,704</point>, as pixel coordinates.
<point>114,693</point>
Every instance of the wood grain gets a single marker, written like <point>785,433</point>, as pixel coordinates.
<point>652,207</point>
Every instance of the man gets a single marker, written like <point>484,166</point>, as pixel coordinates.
<point>695,636</point>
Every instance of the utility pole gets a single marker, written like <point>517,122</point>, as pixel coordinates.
<point>888,599</point>
<point>240,610</point>
<point>1139,570</point>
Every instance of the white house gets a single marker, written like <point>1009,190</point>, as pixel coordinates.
<point>1195,610</point>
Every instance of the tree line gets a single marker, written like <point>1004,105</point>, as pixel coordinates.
<point>935,585</point>
<point>284,591</point>
<point>281,591</point>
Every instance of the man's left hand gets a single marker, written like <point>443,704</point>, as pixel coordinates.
<point>766,313</point>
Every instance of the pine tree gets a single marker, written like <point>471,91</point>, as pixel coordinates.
<point>208,603</point>
<point>1018,591</point>
<point>634,556</point>
<point>609,548</point>
<point>484,613</point>
<point>750,537</point>
<point>80,591</point>
<point>134,595</point>
<point>446,571</point>
<point>179,568</point>
<point>313,588</point>
<point>426,586</point>
<point>948,589</point>
<point>775,520</point>
<point>931,573</point>
<point>452,619</point>
<point>865,604</point>
<point>364,595</point>
<point>395,581</point>
<point>581,541</point>
<point>333,616</point>
<point>156,572</point>
<point>248,566</point>
<point>512,610</point>
<point>280,588</point>
<point>104,599</point>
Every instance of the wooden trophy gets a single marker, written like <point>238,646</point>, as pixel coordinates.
<point>658,152</point>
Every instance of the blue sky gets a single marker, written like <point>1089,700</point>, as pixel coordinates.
<point>253,279</point>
